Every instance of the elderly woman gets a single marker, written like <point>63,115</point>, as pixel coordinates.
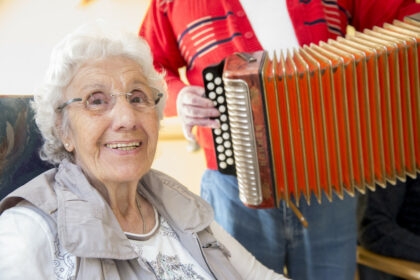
<point>102,213</point>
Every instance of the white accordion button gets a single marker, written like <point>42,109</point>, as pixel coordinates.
<point>209,76</point>
<point>220,148</point>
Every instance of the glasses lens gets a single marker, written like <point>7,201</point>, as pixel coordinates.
<point>140,99</point>
<point>97,101</point>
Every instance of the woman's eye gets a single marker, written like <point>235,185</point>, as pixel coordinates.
<point>97,98</point>
<point>138,97</point>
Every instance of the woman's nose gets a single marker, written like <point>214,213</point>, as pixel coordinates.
<point>123,114</point>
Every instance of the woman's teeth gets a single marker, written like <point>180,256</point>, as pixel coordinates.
<point>124,146</point>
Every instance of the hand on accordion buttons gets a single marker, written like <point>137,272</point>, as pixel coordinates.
<point>195,109</point>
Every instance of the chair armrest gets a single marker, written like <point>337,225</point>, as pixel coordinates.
<point>398,267</point>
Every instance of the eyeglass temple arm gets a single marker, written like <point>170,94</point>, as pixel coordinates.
<point>159,96</point>
<point>61,107</point>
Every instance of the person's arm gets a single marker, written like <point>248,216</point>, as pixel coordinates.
<point>26,250</point>
<point>156,28</point>
<point>245,263</point>
<point>188,102</point>
<point>369,13</point>
<point>378,228</point>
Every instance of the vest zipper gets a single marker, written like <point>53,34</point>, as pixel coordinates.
<point>203,255</point>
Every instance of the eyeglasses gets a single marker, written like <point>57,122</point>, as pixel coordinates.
<point>101,102</point>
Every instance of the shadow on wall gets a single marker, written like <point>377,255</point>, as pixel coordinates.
<point>20,142</point>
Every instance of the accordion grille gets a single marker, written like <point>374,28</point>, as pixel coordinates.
<point>243,139</point>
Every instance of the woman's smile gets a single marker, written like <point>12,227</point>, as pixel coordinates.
<point>124,146</point>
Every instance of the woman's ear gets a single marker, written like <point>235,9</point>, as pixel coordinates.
<point>64,136</point>
<point>69,147</point>
<point>66,140</point>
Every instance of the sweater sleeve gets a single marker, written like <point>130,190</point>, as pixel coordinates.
<point>156,28</point>
<point>369,13</point>
<point>245,263</point>
<point>26,245</point>
<point>379,231</point>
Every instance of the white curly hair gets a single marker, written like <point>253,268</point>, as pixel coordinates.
<point>95,40</point>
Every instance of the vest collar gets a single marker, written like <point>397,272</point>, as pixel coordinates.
<point>88,228</point>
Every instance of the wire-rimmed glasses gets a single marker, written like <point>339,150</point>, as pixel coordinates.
<point>101,102</point>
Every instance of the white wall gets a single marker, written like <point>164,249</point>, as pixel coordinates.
<point>30,28</point>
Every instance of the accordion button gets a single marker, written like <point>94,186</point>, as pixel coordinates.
<point>210,86</point>
<point>218,81</point>
<point>228,153</point>
<point>223,117</point>
<point>220,148</point>
<point>225,136</point>
<point>219,140</point>
<point>219,90</point>
<point>217,131</point>
<point>225,126</point>
<point>229,161</point>
<point>220,99</point>
<point>212,95</point>
<point>222,157</point>
<point>227,144</point>
<point>223,165</point>
<point>222,109</point>
<point>209,76</point>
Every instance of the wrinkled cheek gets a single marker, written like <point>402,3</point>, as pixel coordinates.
<point>153,138</point>
<point>151,152</point>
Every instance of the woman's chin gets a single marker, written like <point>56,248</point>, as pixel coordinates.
<point>124,172</point>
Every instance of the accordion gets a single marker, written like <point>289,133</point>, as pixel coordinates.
<point>336,117</point>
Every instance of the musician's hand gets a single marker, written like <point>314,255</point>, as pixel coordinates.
<point>195,109</point>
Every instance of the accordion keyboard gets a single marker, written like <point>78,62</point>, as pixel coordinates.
<point>214,90</point>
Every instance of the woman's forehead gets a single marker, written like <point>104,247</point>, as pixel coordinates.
<point>111,71</point>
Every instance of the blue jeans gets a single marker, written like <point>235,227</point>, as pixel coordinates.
<point>326,250</point>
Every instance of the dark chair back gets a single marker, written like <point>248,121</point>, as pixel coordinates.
<point>20,142</point>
